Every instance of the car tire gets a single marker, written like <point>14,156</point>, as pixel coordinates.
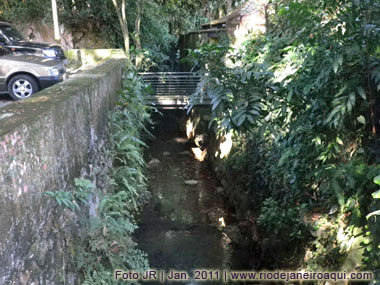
<point>22,86</point>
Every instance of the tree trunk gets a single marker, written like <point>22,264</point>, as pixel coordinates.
<point>139,55</point>
<point>266,13</point>
<point>7,6</point>
<point>57,35</point>
<point>123,24</point>
<point>220,13</point>
<point>229,6</point>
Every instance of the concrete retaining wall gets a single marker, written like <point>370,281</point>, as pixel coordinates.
<point>44,142</point>
<point>93,56</point>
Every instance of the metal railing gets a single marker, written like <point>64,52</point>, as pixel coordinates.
<point>171,88</point>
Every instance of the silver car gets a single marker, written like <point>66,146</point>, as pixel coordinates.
<point>22,75</point>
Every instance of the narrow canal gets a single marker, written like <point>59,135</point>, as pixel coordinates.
<point>181,228</point>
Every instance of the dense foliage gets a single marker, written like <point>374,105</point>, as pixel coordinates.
<point>303,104</point>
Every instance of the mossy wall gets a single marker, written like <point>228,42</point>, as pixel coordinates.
<point>44,142</point>
<point>93,56</point>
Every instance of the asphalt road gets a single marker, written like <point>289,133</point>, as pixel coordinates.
<point>5,100</point>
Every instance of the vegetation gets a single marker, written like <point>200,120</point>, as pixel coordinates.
<point>302,104</point>
<point>106,215</point>
<point>148,29</point>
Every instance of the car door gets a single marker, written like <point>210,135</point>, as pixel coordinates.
<point>4,68</point>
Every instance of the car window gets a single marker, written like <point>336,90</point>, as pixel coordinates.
<point>2,40</point>
<point>12,34</point>
<point>4,51</point>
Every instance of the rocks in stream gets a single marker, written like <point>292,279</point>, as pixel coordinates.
<point>171,234</point>
<point>234,233</point>
<point>185,152</point>
<point>166,153</point>
<point>219,190</point>
<point>153,163</point>
<point>201,140</point>
<point>191,182</point>
<point>215,214</point>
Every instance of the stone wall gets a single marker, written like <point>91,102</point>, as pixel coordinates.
<point>44,142</point>
<point>82,35</point>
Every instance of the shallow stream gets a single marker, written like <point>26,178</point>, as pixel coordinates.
<point>180,228</point>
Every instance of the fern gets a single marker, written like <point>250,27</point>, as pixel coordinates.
<point>107,243</point>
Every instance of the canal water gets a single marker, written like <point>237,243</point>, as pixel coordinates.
<point>181,228</point>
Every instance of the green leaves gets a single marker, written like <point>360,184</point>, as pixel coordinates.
<point>64,198</point>
<point>235,92</point>
<point>361,119</point>
<point>116,220</point>
<point>76,199</point>
<point>309,138</point>
<point>376,180</point>
<point>375,76</point>
<point>361,92</point>
<point>109,219</point>
<point>338,61</point>
<point>376,195</point>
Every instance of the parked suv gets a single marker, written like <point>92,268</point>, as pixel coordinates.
<point>22,75</point>
<point>12,39</point>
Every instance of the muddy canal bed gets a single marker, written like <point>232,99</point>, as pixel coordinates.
<point>181,228</point>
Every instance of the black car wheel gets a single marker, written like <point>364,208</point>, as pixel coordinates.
<point>22,86</point>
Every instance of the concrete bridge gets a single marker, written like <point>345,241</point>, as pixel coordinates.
<point>172,89</point>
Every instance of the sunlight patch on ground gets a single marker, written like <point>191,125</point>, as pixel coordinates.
<point>180,140</point>
<point>199,154</point>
